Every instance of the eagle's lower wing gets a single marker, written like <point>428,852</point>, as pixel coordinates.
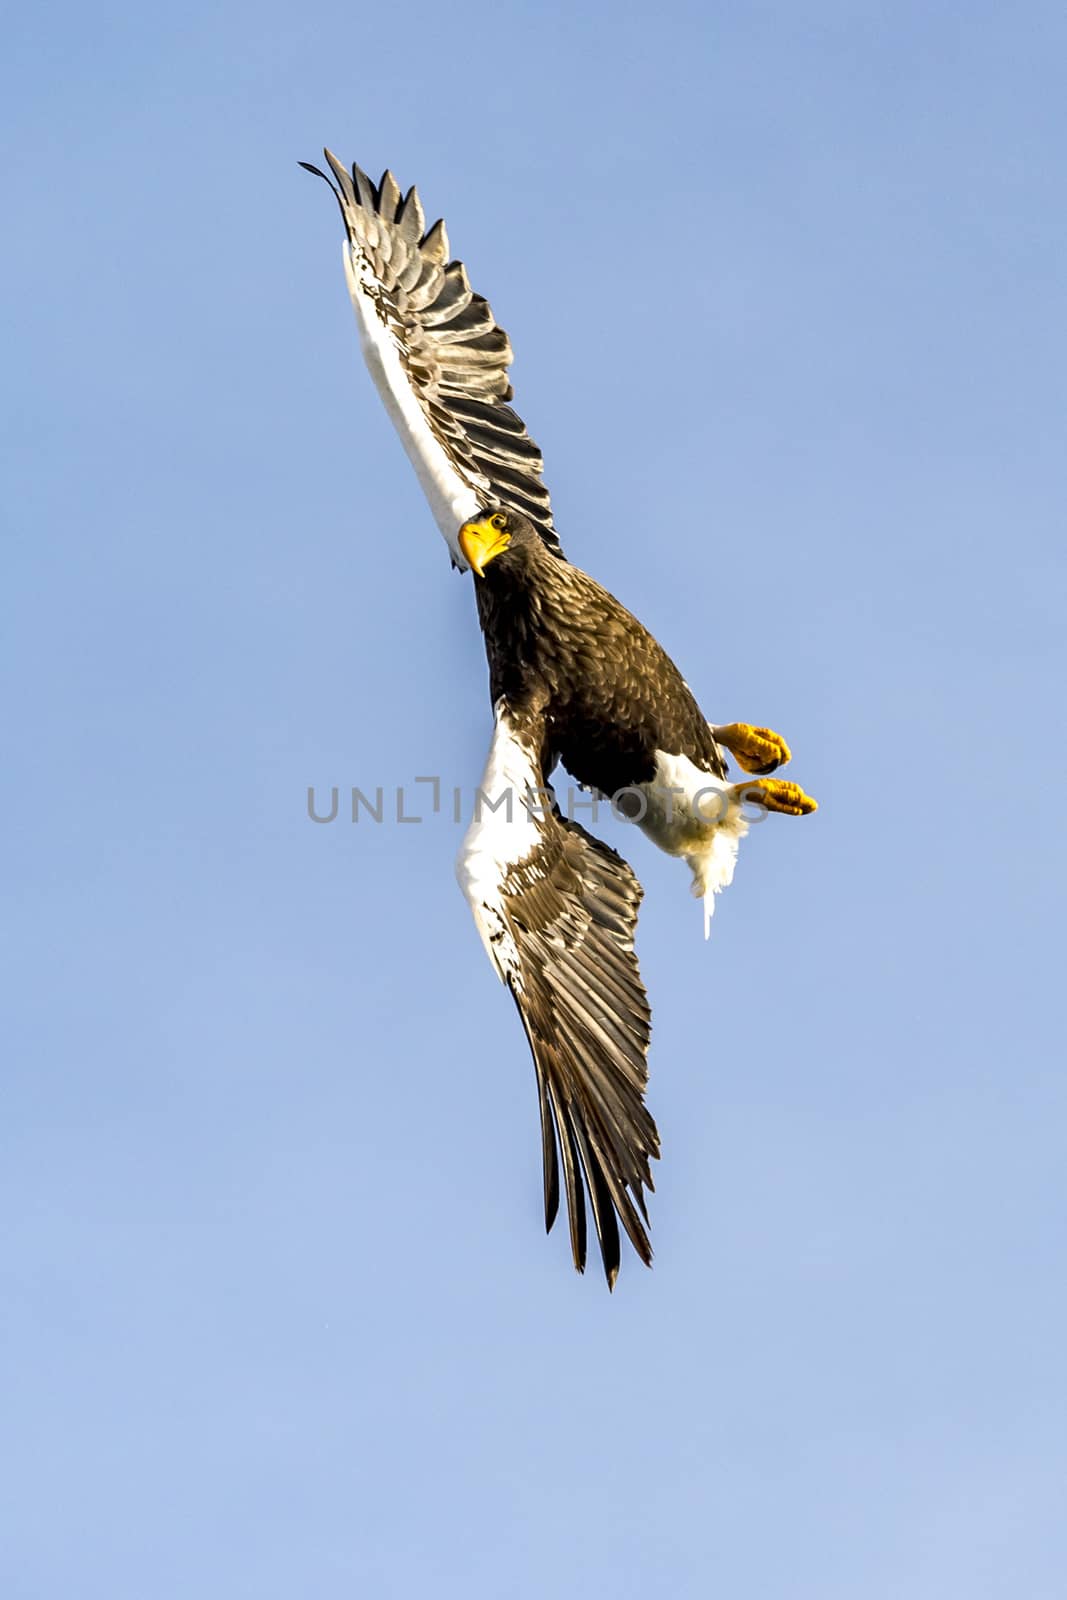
<point>557,910</point>
<point>438,359</point>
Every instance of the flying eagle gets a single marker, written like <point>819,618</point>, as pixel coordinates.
<point>574,678</point>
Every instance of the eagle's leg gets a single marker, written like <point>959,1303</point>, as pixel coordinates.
<point>775,794</point>
<point>758,750</point>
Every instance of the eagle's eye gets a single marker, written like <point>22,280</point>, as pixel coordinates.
<point>499,522</point>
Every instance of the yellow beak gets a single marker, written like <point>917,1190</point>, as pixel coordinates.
<point>481,543</point>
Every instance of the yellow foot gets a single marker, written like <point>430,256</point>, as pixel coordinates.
<point>774,794</point>
<point>757,750</point>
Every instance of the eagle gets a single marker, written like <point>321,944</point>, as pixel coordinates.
<point>574,679</point>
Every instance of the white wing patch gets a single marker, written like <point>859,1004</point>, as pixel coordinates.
<point>502,835</point>
<point>452,499</point>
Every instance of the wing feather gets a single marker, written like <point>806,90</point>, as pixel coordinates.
<point>389,201</point>
<point>437,356</point>
<point>557,911</point>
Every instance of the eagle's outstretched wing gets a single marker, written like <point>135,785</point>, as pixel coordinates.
<point>438,359</point>
<point>557,910</point>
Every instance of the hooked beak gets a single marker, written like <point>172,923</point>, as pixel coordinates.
<point>482,543</point>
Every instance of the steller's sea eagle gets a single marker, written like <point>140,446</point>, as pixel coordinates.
<point>574,678</point>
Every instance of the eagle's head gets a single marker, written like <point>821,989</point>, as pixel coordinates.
<point>498,535</point>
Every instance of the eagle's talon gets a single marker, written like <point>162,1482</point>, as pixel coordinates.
<point>775,794</point>
<point>756,750</point>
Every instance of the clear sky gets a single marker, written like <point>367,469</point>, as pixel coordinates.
<point>279,1317</point>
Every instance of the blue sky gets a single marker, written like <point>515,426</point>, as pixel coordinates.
<point>786,288</point>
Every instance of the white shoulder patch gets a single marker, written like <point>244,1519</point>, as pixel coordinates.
<point>451,498</point>
<point>504,832</point>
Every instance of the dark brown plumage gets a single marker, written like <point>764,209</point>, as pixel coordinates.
<point>560,645</point>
